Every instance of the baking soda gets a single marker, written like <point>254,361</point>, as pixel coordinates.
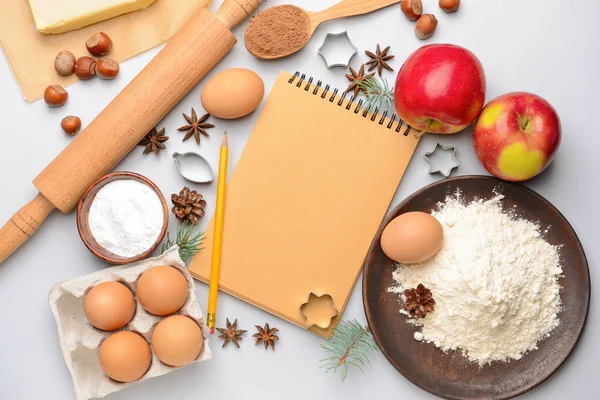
<point>126,217</point>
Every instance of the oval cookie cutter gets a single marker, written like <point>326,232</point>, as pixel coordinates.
<point>178,157</point>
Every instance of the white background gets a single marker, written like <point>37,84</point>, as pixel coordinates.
<point>542,46</point>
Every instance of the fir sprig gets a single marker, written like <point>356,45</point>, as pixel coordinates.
<point>188,242</point>
<point>351,344</point>
<point>378,92</point>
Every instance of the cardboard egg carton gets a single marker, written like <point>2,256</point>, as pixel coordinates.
<point>80,341</point>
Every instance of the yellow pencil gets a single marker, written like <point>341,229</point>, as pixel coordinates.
<point>215,270</point>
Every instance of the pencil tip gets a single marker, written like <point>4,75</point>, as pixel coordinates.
<point>225,143</point>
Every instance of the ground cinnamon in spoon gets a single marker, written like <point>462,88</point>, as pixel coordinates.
<point>277,32</point>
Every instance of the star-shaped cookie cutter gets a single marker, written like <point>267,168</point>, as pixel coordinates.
<point>324,322</point>
<point>328,38</point>
<point>456,161</point>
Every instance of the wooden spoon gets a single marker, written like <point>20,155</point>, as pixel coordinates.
<point>262,26</point>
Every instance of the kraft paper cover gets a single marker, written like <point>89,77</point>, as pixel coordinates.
<point>31,53</point>
<point>304,202</point>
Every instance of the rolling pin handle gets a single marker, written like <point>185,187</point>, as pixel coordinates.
<point>234,12</point>
<point>23,225</point>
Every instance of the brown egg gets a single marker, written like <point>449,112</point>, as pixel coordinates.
<point>412,237</point>
<point>233,93</point>
<point>125,356</point>
<point>177,340</point>
<point>109,306</point>
<point>162,290</point>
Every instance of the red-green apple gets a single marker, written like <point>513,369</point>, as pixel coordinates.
<point>516,136</point>
<point>440,88</point>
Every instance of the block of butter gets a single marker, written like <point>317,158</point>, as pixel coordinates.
<point>58,16</point>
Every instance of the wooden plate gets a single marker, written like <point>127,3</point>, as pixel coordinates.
<point>450,375</point>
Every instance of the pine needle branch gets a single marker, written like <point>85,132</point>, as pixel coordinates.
<point>378,93</point>
<point>189,243</point>
<point>351,344</point>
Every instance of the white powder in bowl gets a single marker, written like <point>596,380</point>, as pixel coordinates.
<point>126,217</point>
<point>495,283</point>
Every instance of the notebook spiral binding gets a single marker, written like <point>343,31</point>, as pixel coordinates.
<point>358,106</point>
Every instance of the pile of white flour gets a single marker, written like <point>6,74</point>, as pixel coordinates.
<point>126,217</point>
<point>495,283</point>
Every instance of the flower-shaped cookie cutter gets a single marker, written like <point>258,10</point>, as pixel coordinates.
<point>455,160</point>
<point>329,40</point>
<point>179,158</point>
<point>323,317</point>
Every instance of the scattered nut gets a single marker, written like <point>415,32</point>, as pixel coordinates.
<point>55,96</point>
<point>64,63</point>
<point>85,68</point>
<point>71,125</point>
<point>449,5</point>
<point>107,68</point>
<point>99,44</point>
<point>412,9</point>
<point>425,26</point>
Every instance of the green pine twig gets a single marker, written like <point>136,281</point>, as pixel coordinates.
<point>378,92</point>
<point>189,242</point>
<point>351,344</point>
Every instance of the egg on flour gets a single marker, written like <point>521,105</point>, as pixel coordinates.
<point>412,237</point>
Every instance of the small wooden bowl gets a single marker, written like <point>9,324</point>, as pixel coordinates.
<point>83,210</point>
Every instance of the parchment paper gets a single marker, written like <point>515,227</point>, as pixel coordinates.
<point>31,53</point>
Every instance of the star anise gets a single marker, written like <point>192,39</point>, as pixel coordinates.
<point>231,333</point>
<point>266,335</point>
<point>195,126</point>
<point>356,78</point>
<point>379,59</point>
<point>154,141</point>
<point>419,301</point>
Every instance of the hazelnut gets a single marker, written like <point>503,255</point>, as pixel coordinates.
<point>71,125</point>
<point>107,68</point>
<point>425,26</point>
<point>412,9</point>
<point>64,63</point>
<point>85,68</point>
<point>449,5</point>
<point>55,95</point>
<point>99,44</point>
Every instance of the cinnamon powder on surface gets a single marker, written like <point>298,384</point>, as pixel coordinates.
<point>277,32</point>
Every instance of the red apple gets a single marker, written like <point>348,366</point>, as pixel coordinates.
<point>516,136</point>
<point>440,88</point>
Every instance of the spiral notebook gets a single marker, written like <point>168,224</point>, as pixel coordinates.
<point>306,198</point>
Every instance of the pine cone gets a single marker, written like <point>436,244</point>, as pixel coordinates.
<point>418,301</point>
<point>188,205</point>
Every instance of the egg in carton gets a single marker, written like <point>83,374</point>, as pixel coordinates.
<point>80,341</point>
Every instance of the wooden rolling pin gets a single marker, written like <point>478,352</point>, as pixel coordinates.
<point>176,69</point>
